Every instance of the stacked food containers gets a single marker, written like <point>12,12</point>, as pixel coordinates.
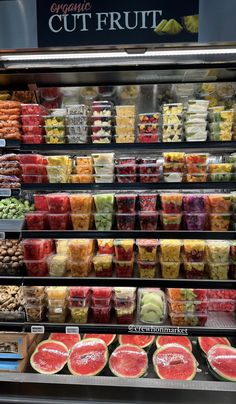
<point>173,166</point>
<point>126,212</point>
<point>171,215</point>
<point>151,306</point>
<point>101,304</point>
<point>32,123</point>
<point>58,207</point>
<point>149,170</point>
<point>81,211</point>
<point>76,123</point>
<point>83,171</point>
<point>125,124</point>
<point>124,258</point>
<point>124,304</point>
<point>221,300</point>
<point>35,303</point>
<point>55,126</point>
<point>34,169</point>
<point>57,264</point>
<point>195,211</point>
<point>104,167</point>
<point>101,119</point>
<point>220,211</point>
<point>196,165</point>
<point>126,169</point>
<point>220,124</point>
<point>36,253</point>
<point>148,215</point>
<point>148,127</point>
<point>59,169</point>
<point>172,122</point>
<point>78,303</point>
<point>103,218</point>
<point>170,258</point>
<point>187,307</point>
<point>80,253</point>
<point>147,257</point>
<point>194,259</point>
<point>196,120</point>
<point>57,303</point>
<point>218,259</point>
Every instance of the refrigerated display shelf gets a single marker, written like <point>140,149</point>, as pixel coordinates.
<point>44,147</point>
<point>218,324</point>
<point>130,186</point>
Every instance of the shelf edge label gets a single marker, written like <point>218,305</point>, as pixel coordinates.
<point>37,329</point>
<point>72,330</point>
<point>5,192</point>
<point>2,143</point>
<point>2,235</point>
<point>145,329</point>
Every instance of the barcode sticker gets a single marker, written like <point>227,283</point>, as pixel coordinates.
<point>72,330</point>
<point>37,329</point>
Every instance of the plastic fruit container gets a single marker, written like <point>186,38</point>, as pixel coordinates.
<point>101,314</point>
<point>57,265</point>
<point>32,109</point>
<point>80,268</point>
<point>79,292</point>
<point>195,203</point>
<point>33,249</point>
<point>125,221</point>
<point>233,250</point>
<point>171,221</point>
<point>147,249</point>
<point>195,221</point>
<point>105,246</point>
<point>218,271</point>
<point>149,178</point>
<point>124,269</point>
<point>196,177</point>
<point>196,168</point>
<point>171,202</point>
<point>124,249</point>
<point>103,265</point>
<point>79,315</point>
<point>34,313</point>
<point>126,203</point>
<point>173,177</point>
<point>101,293</point>
<point>149,168</point>
<point>36,220</point>
<point>123,293</point>
<point>33,169</point>
<point>147,269</point>
<point>147,202</point>
<point>188,319</point>
<point>170,250</point>
<point>58,203</point>
<point>40,203</point>
<point>149,117</point>
<point>219,221</point>
<point>104,203</point>
<point>32,139</point>
<point>103,221</point>
<point>125,315</point>
<point>126,169</point>
<point>194,250</point>
<point>148,128</point>
<point>196,158</point>
<point>81,178</point>
<point>223,305</point>
<point>148,220</point>
<point>80,221</point>
<point>174,157</point>
<point>219,203</point>
<point>31,159</point>
<point>194,270</point>
<point>170,270</point>
<point>126,179</point>
<point>186,306</point>
<point>218,251</point>
<point>36,267</point>
<point>58,221</point>
<point>100,179</point>
<point>152,307</point>
<point>57,316</point>
<point>34,179</point>
<point>187,294</point>
<point>148,137</point>
<point>81,203</point>
<point>32,120</point>
<point>79,249</point>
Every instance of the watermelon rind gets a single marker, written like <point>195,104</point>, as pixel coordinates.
<point>144,346</point>
<point>202,340</point>
<point>219,375</point>
<point>173,337</point>
<point>162,348</point>
<point>109,342</point>
<point>80,343</point>
<point>37,368</point>
<point>55,336</point>
<point>118,374</point>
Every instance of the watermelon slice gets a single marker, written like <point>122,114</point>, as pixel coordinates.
<point>49,357</point>
<point>107,338</point>
<point>143,341</point>
<point>172,339</point>
<point>88,357</point>
<point>174,362</point>
<point>68,339</point>
<point>128,361</point>
<point>222,362</point>
<point>206,343</point>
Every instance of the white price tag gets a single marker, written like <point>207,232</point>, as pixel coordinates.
<point>72,330</point>
<point>2,143</point>
<point>37,329</point>
<point>5,192</point>
<point>2,235</point>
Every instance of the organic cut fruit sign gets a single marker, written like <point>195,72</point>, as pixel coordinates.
<point>92,22</point>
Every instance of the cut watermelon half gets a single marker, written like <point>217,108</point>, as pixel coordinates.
<point>172,339</point>
<point>68,339</point>
<point>174,362</point>
<point>143,341</point>
<point>206,343</point>
<point>107,338</point>
<point>128,361</point>
<point>88,357</point>
<point>49,357</point>
<point>222,362</point>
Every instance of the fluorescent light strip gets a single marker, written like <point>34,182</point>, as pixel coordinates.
<point>111,55</point>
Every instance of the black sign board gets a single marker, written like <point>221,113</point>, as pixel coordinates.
<point>121,22</point>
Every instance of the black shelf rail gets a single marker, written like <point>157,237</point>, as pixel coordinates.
<point>211,235</point>
<point>130,186</point>
<point>40,328</point>
<point>46,147</point>
<point>10,144</point>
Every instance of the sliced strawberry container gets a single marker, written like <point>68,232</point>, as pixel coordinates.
<point>33,109</point>
<point>32,120</point>
<point>36,220</point>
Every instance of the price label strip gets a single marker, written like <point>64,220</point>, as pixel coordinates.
<point>2,143</point>
<point>5,192</point>
<point>37,329</point>
<point>72,330</point>
<point>157,330</point>
<point>2,235</point>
